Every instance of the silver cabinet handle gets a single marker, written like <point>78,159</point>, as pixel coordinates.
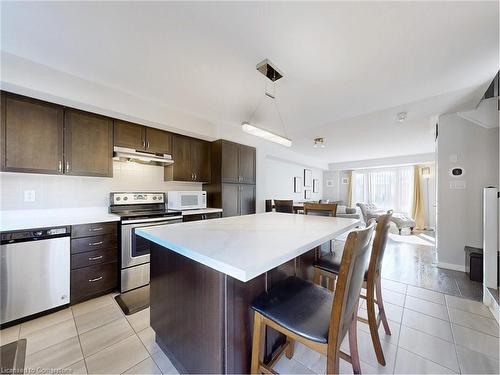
<point>96,279</point>
<point>96,258</point>
<point>96,229</point>
<point>60,166</point>
<point>144,143</point>
<point>95,243</point>
<point>192,176</point>
<point>147,144</point>
<point>195,177</point>
<point>67,166</point>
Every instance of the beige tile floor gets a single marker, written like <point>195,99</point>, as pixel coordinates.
<point>431,333</point>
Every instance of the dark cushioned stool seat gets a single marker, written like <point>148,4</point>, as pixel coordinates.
<point>331,263</point>
<point>298,305</point>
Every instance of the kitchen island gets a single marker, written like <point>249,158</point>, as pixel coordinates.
<point>205,274</point>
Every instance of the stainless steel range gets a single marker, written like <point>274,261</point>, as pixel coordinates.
<point>138,210</point>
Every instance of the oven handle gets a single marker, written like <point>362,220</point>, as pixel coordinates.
<point>152,220</point>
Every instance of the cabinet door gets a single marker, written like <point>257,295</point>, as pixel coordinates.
<point>181,153</point>
<point>200,160</point>
<point>230,200</point>
<point>32,135</point>
<point>229,162</point>
<point>247,199</point>
<point>127,134</point>
<point>158,141</point>
<point>246,164</point>
<point>88,144</point>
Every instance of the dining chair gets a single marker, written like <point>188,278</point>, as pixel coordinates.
<point>320,209</point>
<point>313,315</point>
<point>269,205</point>
<point>329,266</point>
<point>285,206</point>
<point>323,201</point>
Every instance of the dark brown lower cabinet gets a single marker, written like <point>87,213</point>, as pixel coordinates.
<point>94,256</point>
<point>197,217</point>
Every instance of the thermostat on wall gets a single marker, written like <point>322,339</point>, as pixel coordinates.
<point>456,172</point>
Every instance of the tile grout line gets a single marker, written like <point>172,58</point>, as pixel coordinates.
<point>79,342</point>
<point>453,337</point>
<point>399,335</point>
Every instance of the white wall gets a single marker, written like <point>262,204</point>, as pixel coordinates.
<point>460,211</point>
<point>278,182</point>
<point>53,191</point>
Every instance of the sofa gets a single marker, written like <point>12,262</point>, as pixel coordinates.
<point>347,212</point>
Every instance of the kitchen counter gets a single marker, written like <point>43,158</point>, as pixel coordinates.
<point>247,246</point>
<point>205,275</point>
<point>42,218</point>
<point>201,211</point>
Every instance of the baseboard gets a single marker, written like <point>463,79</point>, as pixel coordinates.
<point>490,301</point>
<point>451,266</point>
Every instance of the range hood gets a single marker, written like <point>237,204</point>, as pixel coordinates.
<point>129,154</point>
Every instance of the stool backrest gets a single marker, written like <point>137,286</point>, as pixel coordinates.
<point>349,282</point>
<point>379,243</point>
<point>320,209</point>
<point>269,205</point>
<point>285,206</point>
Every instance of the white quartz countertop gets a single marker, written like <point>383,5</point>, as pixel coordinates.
<point>244,247</point>
<point>41,218</point>
<point>201,211</point>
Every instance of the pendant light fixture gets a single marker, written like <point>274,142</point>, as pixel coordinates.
<point>273,74</point>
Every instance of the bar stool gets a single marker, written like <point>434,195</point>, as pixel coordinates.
<point>329,266</point>
<point>285,206</point>
<point>313,315</point>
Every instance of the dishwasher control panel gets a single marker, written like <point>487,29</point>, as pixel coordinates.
<point>34,234</point>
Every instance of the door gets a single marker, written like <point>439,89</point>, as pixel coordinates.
<point>127,134</point>
<point>32,135</point>
<point>230,200</point>
<point>181,153</point>
<point>247,199</point>
<point>158,141</point>
<point>229,162</point>
<point>246,164</point>
<point>88,144</point>
<point>200,160</point>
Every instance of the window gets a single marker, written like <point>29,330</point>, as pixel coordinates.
<point>387,188</point>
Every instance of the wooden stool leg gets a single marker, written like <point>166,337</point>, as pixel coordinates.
<point>290,347</point>
<point>257,342</point>
<point>353,345</point>
<point>331,283</point>
<point>333,362</point>
<point>380,304</point>
<point>372,323</point>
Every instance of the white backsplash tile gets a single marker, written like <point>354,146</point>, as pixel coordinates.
<point>54,191</point>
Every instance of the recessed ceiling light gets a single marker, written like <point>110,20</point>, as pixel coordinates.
<point>319,142</point>
<point>401,116</point>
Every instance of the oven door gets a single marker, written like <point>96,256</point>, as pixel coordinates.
<point>136,249</point>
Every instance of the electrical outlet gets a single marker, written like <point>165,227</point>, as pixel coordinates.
<point>29,195</point>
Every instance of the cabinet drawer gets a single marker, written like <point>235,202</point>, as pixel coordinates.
<point>93,229</point>
<point>81,245</point>
<point>92,280</point>
<point>91,258</point>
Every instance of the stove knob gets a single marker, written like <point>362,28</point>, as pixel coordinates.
<point>118,198</point>
<point>38,233</point>
<point>154,198</point>
<point>125,198</point>
<point>160,198</point>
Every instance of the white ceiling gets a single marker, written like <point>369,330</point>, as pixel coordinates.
<point>349,67</point>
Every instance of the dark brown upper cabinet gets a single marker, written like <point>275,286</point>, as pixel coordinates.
<point>127,134</point>
<point>237,162</point>
<point>191,160</point>
<point>32,135</point>
<point>139,137</point>
<point>88,144</point>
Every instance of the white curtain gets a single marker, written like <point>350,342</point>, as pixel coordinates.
<point>387,188</point>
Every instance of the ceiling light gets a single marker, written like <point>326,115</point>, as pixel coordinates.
<point>426,172</point>
<point>319,142</point>
<point>273,74</point>
<point>401,116</point>
<point>259,132</point>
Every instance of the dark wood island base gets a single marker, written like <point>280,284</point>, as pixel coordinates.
<point>202,317</point>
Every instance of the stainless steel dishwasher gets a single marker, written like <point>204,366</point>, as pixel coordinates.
<point>34,271</point>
